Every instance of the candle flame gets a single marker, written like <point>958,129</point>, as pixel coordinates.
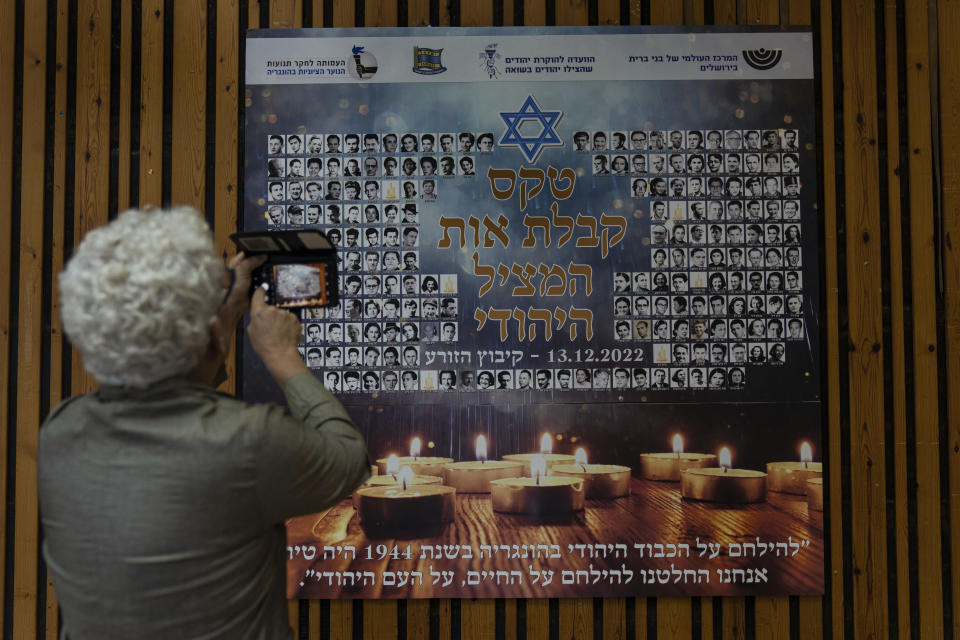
<point>580,456</point>
<point>393,465</point>
<point>546,444</point>
<point>806,453</point>
<point>415,448</point>
<point>405,477</point>
<point>678,444</point>
<point>481,449</point>
<point>725,461</point>
<point>538,467</point>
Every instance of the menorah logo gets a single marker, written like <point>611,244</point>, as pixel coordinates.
<point>763,59</point>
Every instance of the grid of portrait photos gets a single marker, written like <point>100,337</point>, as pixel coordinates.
<point>366,192</point>
<point>725,287</point>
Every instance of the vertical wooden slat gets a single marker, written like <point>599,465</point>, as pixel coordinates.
<point>571,12</point>
<point>508,8</point>
<point>899,400</point>
<point>576,618</point>
<point>477,619</point>
<point>188,169</point>
<point>286,14</point>
<point>30,309</point>
<point>763,12</point>
<point>124,108</point>
<point>948,16</point>
<point>341,620</point>
<point>293,615</point>
<point>860,167</point>
<point>734,618</point>
<point>445,619</point>
<point>379,619</point>
<point>476,14</point>
<point>226,185</point>
<point>706,619</point>
<point>640,618</point>
<point>614,618</point>
<point>725,11</point>
<point>253,15</point>
<point>608,12</point>
<point>925,357</point>
<point>380,14</point>
<point>666,12</point>
<point>418,618</point>
<point>418,13</point>
<point>344,14</point>
<point>799,12</point>
<point>92,135</point>
<point>772,619</point>
<point>828,192</point>
<point>58,195</point>
<point>7,44</point>
<point>673,618</point>
<point>538,615</point>
<point>151,102</point>
<point>694,12</point>
<point>534,12</point>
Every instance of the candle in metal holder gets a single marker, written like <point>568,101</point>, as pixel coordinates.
<point>405,505</point>
<point>668,466</point>
<point>430,465</point>
<point>791,477</point>
<point>537,495</point>
<point>546,450</point>
<point>724,484</point>
<point>475,477</point>
<point>600,481</point>
<point>390,478</point>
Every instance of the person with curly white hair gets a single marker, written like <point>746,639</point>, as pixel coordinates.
<point>162,501</point>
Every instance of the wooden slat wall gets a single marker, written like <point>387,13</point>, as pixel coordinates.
<point>106,104</point>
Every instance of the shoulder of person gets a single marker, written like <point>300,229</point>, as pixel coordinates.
<point>62,406</point>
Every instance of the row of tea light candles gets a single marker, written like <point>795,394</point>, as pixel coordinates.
<point>416,489</point>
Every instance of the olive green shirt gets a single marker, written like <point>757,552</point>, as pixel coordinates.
<point>163,508</point>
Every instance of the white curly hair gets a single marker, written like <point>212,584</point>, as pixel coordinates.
<point>139,296</point>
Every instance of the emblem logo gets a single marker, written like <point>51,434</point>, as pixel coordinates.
<point>488,60</point>
<point>762,59</point>
<point>427,62</point>
<point>364,64</point>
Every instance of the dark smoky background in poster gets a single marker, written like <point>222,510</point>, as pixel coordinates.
<point>777,406</point>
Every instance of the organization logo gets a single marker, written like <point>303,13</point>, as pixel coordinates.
<point>534,117</point>
<point>762,59</point>
<point>488,60</point>
<point>427,62</point>
<point>364,64</point>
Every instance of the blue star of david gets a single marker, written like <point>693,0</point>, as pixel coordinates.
<point>531,146</point>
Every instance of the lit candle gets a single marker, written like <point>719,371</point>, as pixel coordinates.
<point>475,477</point>
<point>724,484</point>
<point>600,481</point>
<point>538,494</point>
<point>392,477</point>
<point>815,494</point>
<point>546,450</point>
<point>405,504</point>
<point>669,466</point>
<point>430,465</point>
<point>791,477</point>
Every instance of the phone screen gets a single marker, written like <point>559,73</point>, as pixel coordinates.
<point>300,285</point>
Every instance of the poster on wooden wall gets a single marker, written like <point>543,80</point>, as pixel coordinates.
<point>579,323</point>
